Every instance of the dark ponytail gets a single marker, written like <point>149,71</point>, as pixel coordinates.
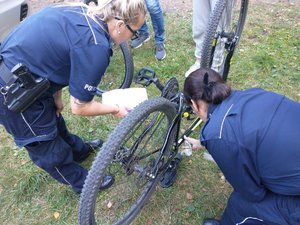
<point>206,85</point>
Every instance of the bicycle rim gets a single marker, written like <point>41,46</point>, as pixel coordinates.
<point>238,12</point>
<point>119,73</point>
<point>238,16</point>
<point>227,20</point>
<point>130,155</point>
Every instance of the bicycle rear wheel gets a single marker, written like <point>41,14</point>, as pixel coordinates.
<point>223,33</point>
<point>119,74</point>
<point>134,155</point>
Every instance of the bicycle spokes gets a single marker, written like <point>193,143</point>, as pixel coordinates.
<point>137,162</point>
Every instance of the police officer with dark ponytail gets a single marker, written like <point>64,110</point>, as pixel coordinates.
<point>254,137</point>
<point>62,45</point>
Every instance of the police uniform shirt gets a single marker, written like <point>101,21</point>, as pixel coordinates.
<point>63,44</point>
<point>254,137</point>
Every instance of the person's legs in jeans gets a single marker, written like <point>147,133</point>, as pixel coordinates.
<point>158,24</point>
<point>142,37</point>
<point>143,31</point>
<point>157,19</point>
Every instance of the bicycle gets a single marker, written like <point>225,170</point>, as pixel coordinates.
<point>222,35</point>
<point>117,75</point>
<point>136,153</point>
<point>141,148</point>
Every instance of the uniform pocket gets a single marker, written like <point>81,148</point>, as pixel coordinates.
<point>41,115</point>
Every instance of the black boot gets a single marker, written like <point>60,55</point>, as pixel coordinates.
<point>94,145</point>
<point>107,181</point>
<point>211,222</point>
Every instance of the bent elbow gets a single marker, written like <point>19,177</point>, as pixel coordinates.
<point>77,111</point>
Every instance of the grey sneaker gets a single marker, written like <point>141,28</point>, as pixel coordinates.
<point>139,41</point>
<point>160,51</point>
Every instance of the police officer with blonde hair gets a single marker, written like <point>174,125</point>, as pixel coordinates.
<point>62,45</point>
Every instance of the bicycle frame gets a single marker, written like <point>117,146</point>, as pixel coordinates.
<point>183,110</point>
<point>230,44</point>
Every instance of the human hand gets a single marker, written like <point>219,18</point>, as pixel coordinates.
<point>123,111</point>
<point>58,102</point>
<point>194,142</point>
<point>59,107</point>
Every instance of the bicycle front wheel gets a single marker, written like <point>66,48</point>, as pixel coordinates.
<point>135,156</point>
<point>119,74</point>
<point>222,34</point>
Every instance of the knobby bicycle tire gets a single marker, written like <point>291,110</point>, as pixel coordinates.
<point>118,75</point>
<point>171,88</point>
<point>129,67</point>
<point>105,158</point>
<point>212,26</point>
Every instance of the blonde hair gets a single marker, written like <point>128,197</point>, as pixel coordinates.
<point>127,10</point>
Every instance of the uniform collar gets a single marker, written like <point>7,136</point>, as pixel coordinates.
<point>102,22</point>
<point>211,109</point>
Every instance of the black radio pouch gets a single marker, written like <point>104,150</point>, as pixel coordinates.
<point>24,90</point>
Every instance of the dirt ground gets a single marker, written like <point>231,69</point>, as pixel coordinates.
<point>168,5</point>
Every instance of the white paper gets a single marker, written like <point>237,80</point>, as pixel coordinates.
<point>129,97</point>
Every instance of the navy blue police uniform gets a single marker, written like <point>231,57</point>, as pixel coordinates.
<point>254,137</point>
<point>64,45</point>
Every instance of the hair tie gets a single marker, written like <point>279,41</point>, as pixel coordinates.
<point>211,84</point>
<point>205,78</point>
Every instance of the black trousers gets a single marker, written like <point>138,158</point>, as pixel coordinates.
<point>272,210</point>
<point>49,143</point>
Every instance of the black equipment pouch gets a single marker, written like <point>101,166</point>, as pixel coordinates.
<point>22,88</point>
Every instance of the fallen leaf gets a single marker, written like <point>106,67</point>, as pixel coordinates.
<point>109,204</point>
<point>189,196</point>
<point>149,222</point>
<point>56,215</point>
<point>223,179</point>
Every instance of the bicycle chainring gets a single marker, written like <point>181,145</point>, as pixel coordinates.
<point>121,155</point>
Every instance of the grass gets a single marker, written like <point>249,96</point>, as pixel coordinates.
<point>268,57</point>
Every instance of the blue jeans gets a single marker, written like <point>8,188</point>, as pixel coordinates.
<point>157,19</point>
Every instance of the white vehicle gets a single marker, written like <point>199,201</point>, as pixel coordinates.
<point>12,12</point>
